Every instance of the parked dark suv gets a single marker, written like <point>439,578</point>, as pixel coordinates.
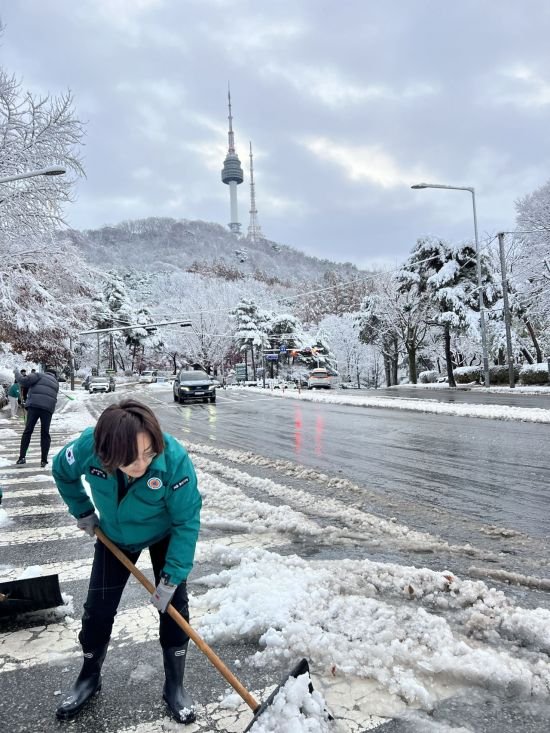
<point>194,385</point>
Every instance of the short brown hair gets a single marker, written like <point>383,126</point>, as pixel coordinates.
<point>115,435</point>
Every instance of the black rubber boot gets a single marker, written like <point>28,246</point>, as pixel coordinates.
<point>87,684</point>
<point>174,694</point>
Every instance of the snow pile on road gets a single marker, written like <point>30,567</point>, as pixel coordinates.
<point>295,710</point>
<point>4,519</point>
<point>333,613</point>
<point>72,414</point>
<point>492,412</point>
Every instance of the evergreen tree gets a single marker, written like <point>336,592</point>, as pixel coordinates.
<point>447,275</point>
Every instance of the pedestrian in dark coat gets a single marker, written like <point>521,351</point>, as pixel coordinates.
<point>40,403</point>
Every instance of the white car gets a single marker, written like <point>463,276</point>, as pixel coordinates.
<point>99,384</point>
<point>148,377</point>
<point>321,379</point>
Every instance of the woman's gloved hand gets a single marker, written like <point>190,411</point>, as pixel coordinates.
<point>163,595</point>
<point>88,522</point>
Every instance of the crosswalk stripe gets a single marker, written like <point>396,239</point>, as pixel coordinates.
<point>41,478</point>
<point>80,569</point>
<point>36,511</point>
<point>16,471</point>
<point>49,534</point>
<point>24,493</point>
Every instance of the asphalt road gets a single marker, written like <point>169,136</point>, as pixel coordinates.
<point>486,472</point>
<point>479,485</point>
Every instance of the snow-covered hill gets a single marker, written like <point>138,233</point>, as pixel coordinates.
<point>158,244</point>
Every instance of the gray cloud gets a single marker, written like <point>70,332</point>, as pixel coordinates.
<point>347,105</point>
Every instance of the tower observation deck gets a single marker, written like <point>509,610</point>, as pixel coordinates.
<point>232,173</point>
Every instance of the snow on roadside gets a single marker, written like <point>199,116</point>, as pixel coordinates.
<point>337,615</point>
<point>491,412</point>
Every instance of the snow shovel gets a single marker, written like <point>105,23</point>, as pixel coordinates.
<point>29,594</point>
<point>301,668</point>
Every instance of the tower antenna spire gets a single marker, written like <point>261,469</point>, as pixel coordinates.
<point>254,229</point>
<point>231,134</point>
<point>232,173</point>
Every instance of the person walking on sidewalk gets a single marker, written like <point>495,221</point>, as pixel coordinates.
<point>40,405</point>
<point>143,495</point>
<point>14,395</point>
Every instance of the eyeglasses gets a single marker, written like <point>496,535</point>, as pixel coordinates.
<point>147,457</point>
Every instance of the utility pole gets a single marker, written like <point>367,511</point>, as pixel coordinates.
<point>506,304</point>
<point>71,363</point>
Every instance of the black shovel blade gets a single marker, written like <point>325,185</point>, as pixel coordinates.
<point>301,668</point>
<point>30,594</point>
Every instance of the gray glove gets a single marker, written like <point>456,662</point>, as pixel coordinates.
<point>163,595</point>
<point>88,523</point>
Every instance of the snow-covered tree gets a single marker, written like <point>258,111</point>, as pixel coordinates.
<point>447,275</point>
<point>250,331</point>
<point>377,328</point>
<point>393,319</point>
<point>35,133</point>
<point>532,270</point>
<point>208,303</point>
<point>530,267</point>
<point>351,354</point>
<point>42,280</point>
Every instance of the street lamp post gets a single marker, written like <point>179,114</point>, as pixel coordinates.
<point>479,276</point>
<point>52,170</point>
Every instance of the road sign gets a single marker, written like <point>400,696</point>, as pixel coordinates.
<point>272,357</point>
<point>282,349</point>
<point>240,372</point>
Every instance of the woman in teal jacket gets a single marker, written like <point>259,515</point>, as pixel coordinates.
<point>143,494</point>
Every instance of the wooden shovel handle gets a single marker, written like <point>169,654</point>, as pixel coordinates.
<point>182,623</point>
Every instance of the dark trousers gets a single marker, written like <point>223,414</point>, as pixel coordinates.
<point>107,581</point>
<point>33,415</point>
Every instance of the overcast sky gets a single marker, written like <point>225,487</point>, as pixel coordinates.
<point>347,103</point>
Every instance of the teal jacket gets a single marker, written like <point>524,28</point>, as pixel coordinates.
<point>165,501</point>
<point>13,391</point>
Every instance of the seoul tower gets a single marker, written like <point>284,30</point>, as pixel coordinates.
<point>254,229</point>
<point>232,173</point>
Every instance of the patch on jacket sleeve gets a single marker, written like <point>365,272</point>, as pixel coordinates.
<point>97,472</point>
<point>154,483</point>
<point>180,483</point>
<point>69,454</point>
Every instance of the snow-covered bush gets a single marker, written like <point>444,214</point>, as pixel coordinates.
<point>428,377</point>
<point>465,375</point>
<point>534,374</point>
<point>500,375</point>
<point>6,375</point>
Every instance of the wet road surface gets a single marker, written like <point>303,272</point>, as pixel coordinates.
<point>489,471</point>
<point>460,395</point>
